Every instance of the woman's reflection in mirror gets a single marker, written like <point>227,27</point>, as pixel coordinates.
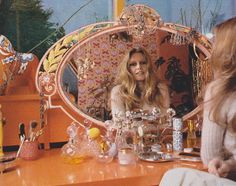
<point>137,86</point>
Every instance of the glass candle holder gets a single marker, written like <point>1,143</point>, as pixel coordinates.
<point>104,158</point>
<point>126,156</point>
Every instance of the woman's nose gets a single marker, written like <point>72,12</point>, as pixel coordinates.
<point>138,66</point>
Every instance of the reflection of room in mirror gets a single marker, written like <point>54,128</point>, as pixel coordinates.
<point>69,82</point>
<point>107,50</point>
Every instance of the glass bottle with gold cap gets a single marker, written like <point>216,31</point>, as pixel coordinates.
<point>72,152</point>
<point>191,135</point>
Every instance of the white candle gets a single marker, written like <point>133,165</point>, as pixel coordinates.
<point>126,156</point>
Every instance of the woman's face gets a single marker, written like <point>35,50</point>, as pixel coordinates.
<point>138,66</point>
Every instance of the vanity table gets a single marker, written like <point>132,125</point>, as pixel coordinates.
<point>50,169</point>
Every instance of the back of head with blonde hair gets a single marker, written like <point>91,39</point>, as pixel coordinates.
<point>130,92</point>
<point>224,66</point>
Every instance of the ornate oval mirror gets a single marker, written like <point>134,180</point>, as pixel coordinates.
<point>81,67</point>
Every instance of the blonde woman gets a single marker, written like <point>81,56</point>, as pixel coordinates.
<point>218,149</point>
<point>137,85</point>
<point>218,143</point>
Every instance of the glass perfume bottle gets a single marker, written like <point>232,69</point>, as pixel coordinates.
<point>71,151</point>
<point>101,146</point>
<point>191,134</point>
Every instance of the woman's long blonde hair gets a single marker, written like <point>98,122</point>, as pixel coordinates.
<point>224,66</point>
<point>130,92</point>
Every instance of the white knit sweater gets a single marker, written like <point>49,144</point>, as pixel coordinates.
<point>118,104</point>
<point>213,139</point>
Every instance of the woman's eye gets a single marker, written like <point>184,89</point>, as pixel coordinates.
<point>132,64</point>
<point>143,63</point>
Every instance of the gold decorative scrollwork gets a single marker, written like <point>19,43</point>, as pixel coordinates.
<point>141,20</point>
<point>47,83</point>
<point>46,79</point>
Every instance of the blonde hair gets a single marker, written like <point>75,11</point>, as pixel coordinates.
<point>129,90</point>
<point>224,66</point>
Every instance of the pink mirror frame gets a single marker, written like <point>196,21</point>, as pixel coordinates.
<point>49,72</point>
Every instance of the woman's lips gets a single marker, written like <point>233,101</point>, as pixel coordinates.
<point>139,73</point>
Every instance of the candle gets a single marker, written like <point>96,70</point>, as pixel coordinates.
<point>126,156</point>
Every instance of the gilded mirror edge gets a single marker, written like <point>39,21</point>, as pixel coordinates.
<point>67,39</point>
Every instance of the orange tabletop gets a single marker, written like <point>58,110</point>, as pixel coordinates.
<point>50,169</point>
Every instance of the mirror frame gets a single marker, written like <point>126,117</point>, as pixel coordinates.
<point>49,72</point>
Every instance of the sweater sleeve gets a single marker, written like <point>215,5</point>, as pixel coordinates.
<point>117,103</point>
<point>212,134</point>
